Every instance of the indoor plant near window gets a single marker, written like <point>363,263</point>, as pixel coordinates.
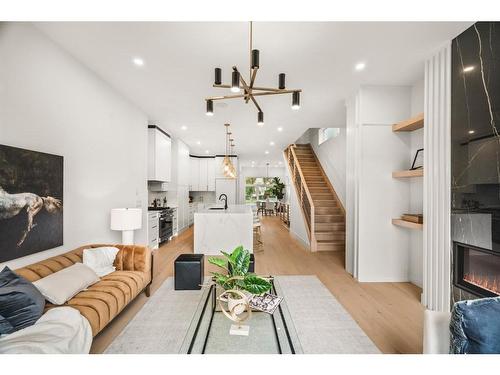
<point>238,282</point>
<point>277,188</point>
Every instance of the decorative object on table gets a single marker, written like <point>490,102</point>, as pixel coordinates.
<point>249,90</point>
<point>31,202</point>
<point>227,165</point>
<point>189,272</point>
<point>414,218</point>
<point>277,188</point>
<point>127,220</point>
<point>266,302</point>
<point>239,285</point>
<point>418,160</point>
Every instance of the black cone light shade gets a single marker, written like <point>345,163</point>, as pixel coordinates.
<point>218,76</point>
<point>260,118</point>
<point>255,59</point>
<point>296,100</point>
<point>235,81</point>
<point>281,81</point>
<point>210,107</point>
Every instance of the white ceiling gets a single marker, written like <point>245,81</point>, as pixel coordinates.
<point>318,58</point>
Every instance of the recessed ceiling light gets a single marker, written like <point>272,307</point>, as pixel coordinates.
<point>280,162</point>
<point>266,152</point>
<point>468,69</point>
<point>184,127</point>
<point>207,151</point>
<point>198,142</point>
<point>138,61</point>
<point>280,129</point>
<point>472,131</point>
<point>271,143</point>
<point>360,66</point>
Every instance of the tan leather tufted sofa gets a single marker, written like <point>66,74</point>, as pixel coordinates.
<point>104,300</point>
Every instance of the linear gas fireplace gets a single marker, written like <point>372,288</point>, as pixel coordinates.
<point>477,270</point>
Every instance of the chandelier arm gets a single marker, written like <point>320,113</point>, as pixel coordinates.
<point>255,102</point>
<point>253,74</point>
<point>272,93</point>
<point>226,97</point>
<point>261,88</point>
<point>247,89</point>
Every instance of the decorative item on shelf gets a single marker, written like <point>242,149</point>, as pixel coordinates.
<point>127,220</point>
<point>239,286</point>
<point>250,91</point>
<point>414,218</point>
<point>227,165</point>
<point>418,164</point>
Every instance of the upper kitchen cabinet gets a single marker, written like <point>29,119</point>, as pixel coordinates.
<point>194,182</point>
<point>202,173</point>
<point>159,154</point>
<point>180,164</point>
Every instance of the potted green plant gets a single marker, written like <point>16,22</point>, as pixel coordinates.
<point>237,277</point>
<point>277,188</point>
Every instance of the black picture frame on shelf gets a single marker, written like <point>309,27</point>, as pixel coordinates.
<point>413,167</point>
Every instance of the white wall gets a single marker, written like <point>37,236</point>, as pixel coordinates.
<point>382,249</point>
<point>52,103</point>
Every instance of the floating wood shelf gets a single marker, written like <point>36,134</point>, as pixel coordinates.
<point>408,173</point>
<point>407,224</point>
<point>409,125</point>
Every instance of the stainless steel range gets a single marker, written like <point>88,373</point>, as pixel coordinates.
<point>165,223</point>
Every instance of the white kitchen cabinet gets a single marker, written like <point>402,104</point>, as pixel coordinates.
<point>159,155</point>
<point>153,230</point>
<point>202,176</point>
<point>202,181</point>
<point>180,174</point>
<point>182,207</point>
<point>211,174</point>
<point>194,183</point>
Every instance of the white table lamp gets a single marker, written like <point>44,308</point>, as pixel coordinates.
<point>127,220</point>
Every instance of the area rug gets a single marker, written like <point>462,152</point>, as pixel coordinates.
<point>322,324</point>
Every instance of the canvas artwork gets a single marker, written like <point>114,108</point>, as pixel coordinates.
<point>31,202</point>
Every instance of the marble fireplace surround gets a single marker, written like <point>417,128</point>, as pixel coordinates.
<point>475,144</point>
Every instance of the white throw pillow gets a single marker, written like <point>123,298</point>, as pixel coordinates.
<point>100,259</point>
<point>63,285</point>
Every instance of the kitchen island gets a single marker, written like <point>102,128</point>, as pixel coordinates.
<point>216,229</point>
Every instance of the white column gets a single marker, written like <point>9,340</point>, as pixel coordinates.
<point>437,170</point>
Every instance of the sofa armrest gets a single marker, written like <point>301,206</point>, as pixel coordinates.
<point>436,332</point>
<point>133,258</point>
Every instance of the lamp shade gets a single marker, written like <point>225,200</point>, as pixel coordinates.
<point>126,218</point>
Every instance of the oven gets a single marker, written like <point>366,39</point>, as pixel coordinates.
<point>165,225</point>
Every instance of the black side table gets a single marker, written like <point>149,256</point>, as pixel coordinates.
<point>188,272</point>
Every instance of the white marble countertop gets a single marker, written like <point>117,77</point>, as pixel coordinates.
<point>232,209</point>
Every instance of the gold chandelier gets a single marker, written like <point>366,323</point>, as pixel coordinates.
<point>249,90</point>
<point>227,165</point>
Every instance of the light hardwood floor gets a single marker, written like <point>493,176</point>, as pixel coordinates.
<point>389,313</point>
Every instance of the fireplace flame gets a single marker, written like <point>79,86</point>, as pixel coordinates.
<point>490,283</point>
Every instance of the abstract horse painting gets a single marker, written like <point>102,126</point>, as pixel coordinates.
<point>31,202</point>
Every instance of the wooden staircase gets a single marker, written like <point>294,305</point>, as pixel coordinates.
<point>323,212</point>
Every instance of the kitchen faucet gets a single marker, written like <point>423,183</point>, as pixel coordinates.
<point>225,200</point>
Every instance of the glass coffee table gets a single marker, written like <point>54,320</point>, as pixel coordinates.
<point>208,332</point>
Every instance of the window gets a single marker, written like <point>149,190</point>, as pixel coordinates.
<point>258,188</point>
<point>324,134</point>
